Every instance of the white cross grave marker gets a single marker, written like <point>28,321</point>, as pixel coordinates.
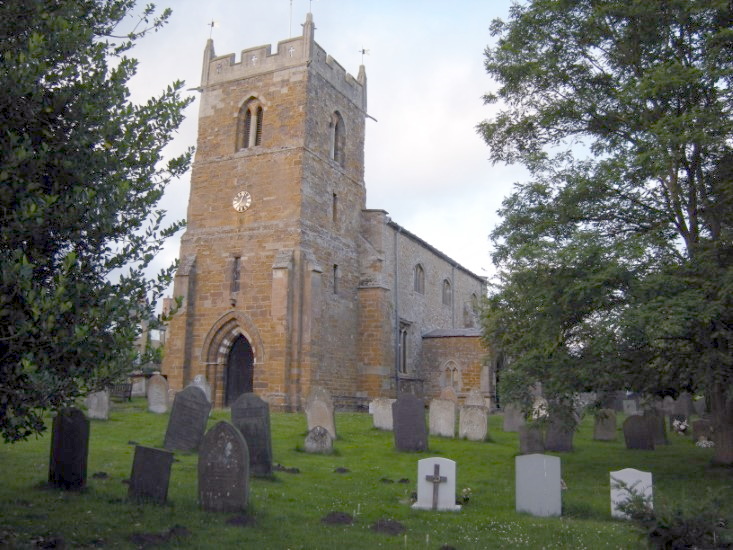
<point>436,484</point>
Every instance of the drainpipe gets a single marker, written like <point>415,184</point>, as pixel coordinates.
<point>398,351</point>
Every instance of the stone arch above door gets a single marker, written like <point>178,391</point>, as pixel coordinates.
<point>222,334</point>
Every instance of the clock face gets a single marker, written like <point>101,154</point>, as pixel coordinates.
<point>242,201</point>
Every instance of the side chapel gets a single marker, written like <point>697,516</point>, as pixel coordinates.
<point>287,280</point>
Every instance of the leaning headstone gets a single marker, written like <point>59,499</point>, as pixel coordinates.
<point>638,434</point>
<point>702,428</point>
<point>97,404</point>
<point>67,465</point>
<point>382,413</point>
<point>559,436</point>
<point>531,439</point>
<point>442,418</point>
<point>449,393</point>
<point>657,425</point>
<point>223,470</point>
<point>436,484</point>
<point>513,417</point>
<point>318,441</point>
<point>626,482</point>
<point>200,381</point>
<point>408,415</point>
<point>319,410</point>
<point>473,423</point>
<point>630,406</point>
<point>474,399</point>
<point>605,425</point>
<point>157,392</point>
<point>251,416</point>
<point>151,473</point>
<point>538,485</point>
<point>187,422</point>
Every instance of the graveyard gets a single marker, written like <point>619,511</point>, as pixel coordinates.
<point>357,491</point>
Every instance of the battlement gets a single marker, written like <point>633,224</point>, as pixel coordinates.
<point>300,51</point>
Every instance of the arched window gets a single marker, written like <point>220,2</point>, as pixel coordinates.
<point>419,279</point>
<point>403,343</point>
<point>249,125</point>
<point>451,376</point>
<point>338,138</point>
<point>447,293</point>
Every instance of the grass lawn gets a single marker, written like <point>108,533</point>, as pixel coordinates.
<point>286,511</point>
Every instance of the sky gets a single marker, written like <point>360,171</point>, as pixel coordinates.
<point>425,163</point>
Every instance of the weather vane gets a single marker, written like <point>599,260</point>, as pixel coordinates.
<point>363,52</point>
<point>211,25</point>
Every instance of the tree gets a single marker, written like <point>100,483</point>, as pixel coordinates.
<point>615,262</point>
<point>81,172</point>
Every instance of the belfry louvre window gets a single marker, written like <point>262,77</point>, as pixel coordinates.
<point>419,279</point>
<point>249,124</point>
<point>338,138</point>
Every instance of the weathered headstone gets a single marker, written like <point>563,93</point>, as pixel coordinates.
<point>657,425</point>
<point>700,406</point>
<point>319,410</point>
<point>187,422</point>
<point>408,416</point>
<point>474,399</point>
<point>318,440</point>
<point>538,485</point>
<point>251,416</point>
<point>638,433</point>
<point>513,417</point>
<point>97,404</point>
<point>449,393</point>
<point>559,436</point>
<point>139,385</point>
<point>531,439</point>
<point>382,413</point>
<point>157,391</point>
<point>200,381</point>
<point>624,483</point>
<point>442,418</point>
<point>436,484</point>
<point>473,423</point>
<point>605,425</point>
<point>223,470</point>
<point>151,473</point>
<point>668,405</point>
<point>630,406</point>
<point>67,465</point>
<point>683,405</point>
<point>702,428</point>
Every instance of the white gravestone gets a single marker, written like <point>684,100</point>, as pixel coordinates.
<point>630,407</point>
<point>158,394</point>
<point>319,410</point>
<point>473,423</point>
<point>538,485</point>
<point>382,415</point>
<point>626,481</point>
<point>98,405</point>
<point>436,484</point>
<point>442,420</point>
<point>474,398</point>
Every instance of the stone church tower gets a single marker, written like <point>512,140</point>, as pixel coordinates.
<point>284,283</point>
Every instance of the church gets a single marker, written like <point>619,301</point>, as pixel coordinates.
<point>286,280</point>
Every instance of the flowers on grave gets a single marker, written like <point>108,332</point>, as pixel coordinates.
<point>680,426</point>
<point>704,442</point>
<point>466,494</point>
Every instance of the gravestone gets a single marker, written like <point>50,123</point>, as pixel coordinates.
<point>319,410</point>
<point>605,425</point>
<point>382,413</point>
<point>318,440</point>
<point>139,385</point>
<point>474,399</point>
<point>67,465</point>
<point>683,405</point>
<point>157,392</point>
<point>630,406</point>
<point>538,485</point>
<point>638,433</point>
<point>151,472</point>
<point>223,470</point>
<point>513,417</point>
<point>442,418</point>
<point>200,381</point>
<point>657,425</point>
<point>251,416</point>
<point>97,404</point>
<point>628,480</point>
<point>531,439</point>
<point>449,393</point>
<point>436,484</point>
<point>700,406</point>
<point>473,423</point>
<point>558,436</point>
<point>408,415</point>
<point>187,422</point>
<point>702,428</point>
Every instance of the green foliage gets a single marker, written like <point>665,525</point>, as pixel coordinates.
<point>81,170</point>
<point>615,262</point>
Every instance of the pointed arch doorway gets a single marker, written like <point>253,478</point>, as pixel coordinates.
<point>239,377</point>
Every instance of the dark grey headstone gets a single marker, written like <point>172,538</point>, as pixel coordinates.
<point>700,406</point>
<point>638,433</point>
<point>223,470</point>
<point>658,426</point>
<point>318,440</point>
<point>408,419</point>
<point>187,422</point>
<point>684,405</point>
<point>251,416</point>
<point>513,417</point>
<point>605,425</point>
<point>702,428</point>
<point>559,436</point>
<point>67,465</point>
<point>531,439</point>
<point>151,472</point>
